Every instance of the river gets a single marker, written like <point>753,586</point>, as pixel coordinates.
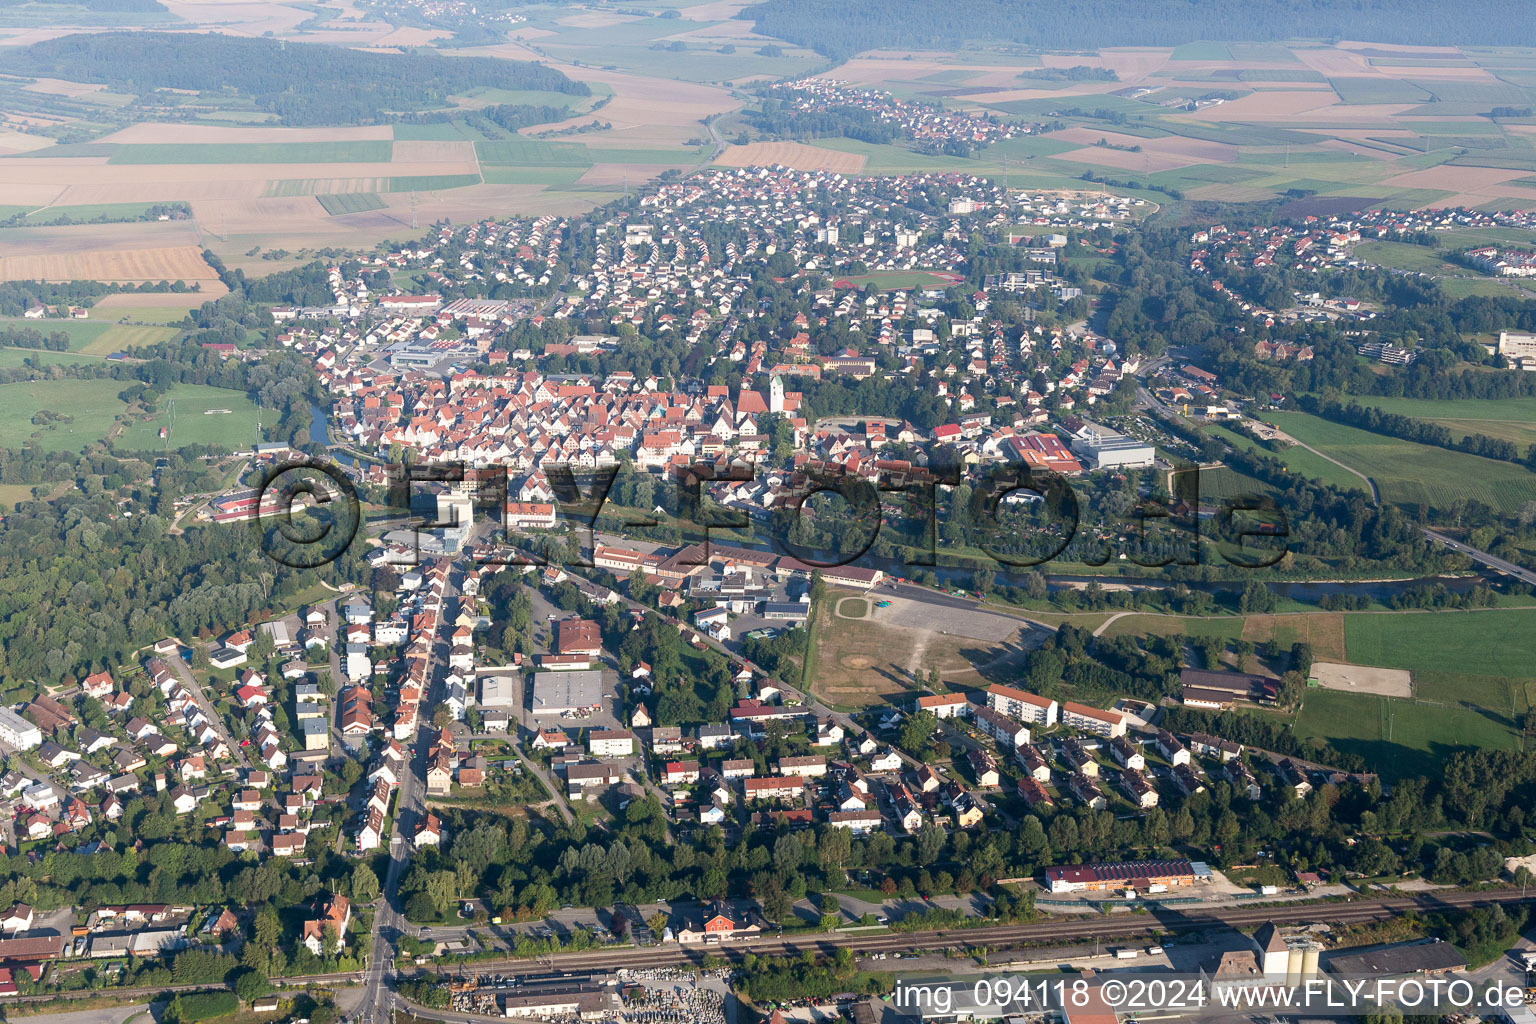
<point>320,432</point>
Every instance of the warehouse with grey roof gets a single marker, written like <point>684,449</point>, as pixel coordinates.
<point>566,693</point>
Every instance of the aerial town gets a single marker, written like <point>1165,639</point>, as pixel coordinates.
<point>726,522</point>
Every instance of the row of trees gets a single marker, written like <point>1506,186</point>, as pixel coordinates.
<point>1408,428</point>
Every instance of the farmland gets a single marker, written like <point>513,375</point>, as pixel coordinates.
<point>350,202</point>
<point>252,153</point>
<point>1512,419</point>
<point>172,263</point>
<point>95,337</point>
<point>791,154</point>
<point>77,413</point>
<point>1411,474</point>
<point>1328,119</point>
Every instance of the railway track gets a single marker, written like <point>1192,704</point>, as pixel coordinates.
<point>1055,932</point>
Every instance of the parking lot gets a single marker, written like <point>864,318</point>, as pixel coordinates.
<point>975,623</point>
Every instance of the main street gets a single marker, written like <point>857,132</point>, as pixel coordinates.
<point>389,922</point>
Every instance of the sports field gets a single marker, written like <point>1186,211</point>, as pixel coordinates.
<point>1498,642</point>
<point>196,414</point>
<point>1400,738</point>
<point>894,279</point>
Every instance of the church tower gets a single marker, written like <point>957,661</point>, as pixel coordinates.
<point>776,394</point>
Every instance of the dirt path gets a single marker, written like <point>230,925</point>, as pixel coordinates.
<point>1105,624</point>
<point>1375,494</point>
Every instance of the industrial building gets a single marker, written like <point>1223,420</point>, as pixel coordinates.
<point>501,688</point>
<point>1137,874</point>
<point>585,1001</point>
<point>1104,448</point>
<point>1432,957</point>
<point>566,693</point>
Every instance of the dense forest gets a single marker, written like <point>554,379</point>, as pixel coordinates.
<point>86,587</point>
<point>857,25</point>
<point>302,83</point>
<point>116,6</point>
<point>843,29</point>
<point>780,120</point>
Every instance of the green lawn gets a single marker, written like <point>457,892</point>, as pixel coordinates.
<point>499,174</point>
<point>1240,134</point>
<point>191,422</point>
<point>1487,287</point>
<point>440,131</point>
<point>1262,52</point>
<point>1482,94</point>
<point>1400,738</point>
<point>1473,237</point>
<point>154,314</point>
<point>1406,256</point>
<point>107,212</point>
<point>12,358</point>
<point>118,337</point>
<point>1411,474</point>
<point>529,153</point>
<point>431,182</point>
<point>10,494</point>
<point>1280,75</point>
<point>368,152</point>
<point>901,279</point>
<point>81,332</point>
<point>91,405</point>
<point>1221,482</point>
<point>1501,642</point>
<point>97,337</point>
